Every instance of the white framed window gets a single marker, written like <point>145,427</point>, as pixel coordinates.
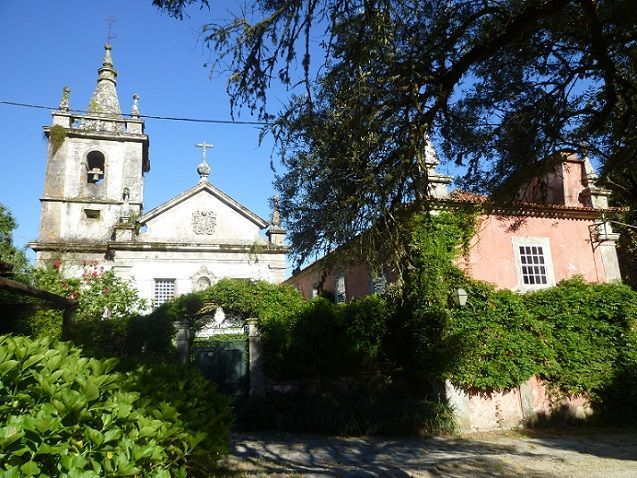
<point>339,287</point>
<point>533,261</point>
<point>164,291</point>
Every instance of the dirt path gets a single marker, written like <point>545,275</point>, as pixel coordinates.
<point>607,455</point>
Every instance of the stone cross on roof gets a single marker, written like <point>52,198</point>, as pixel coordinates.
<point>203,146</point>
<point>203,169</point>
<point>110,20</point>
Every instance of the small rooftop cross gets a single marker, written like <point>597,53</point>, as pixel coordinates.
<point>203,146</point>
<point>203,169</point>
<point>110,20</point>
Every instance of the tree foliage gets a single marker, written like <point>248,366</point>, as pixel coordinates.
<point>499,85</point>
<point>10,256</point>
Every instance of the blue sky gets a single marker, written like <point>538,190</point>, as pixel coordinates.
<point>45,45</point>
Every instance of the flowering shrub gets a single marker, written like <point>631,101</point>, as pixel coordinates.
<point>100,293</point>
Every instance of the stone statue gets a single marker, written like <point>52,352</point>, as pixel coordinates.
<point>64,102</point>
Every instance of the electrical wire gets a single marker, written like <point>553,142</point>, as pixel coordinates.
<point>164,118</point>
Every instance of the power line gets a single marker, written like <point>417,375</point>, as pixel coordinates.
<point>164,118</point>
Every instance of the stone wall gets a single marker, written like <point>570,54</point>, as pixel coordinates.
<point>526,405</point>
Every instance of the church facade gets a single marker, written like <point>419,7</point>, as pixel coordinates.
<point>92,208</point>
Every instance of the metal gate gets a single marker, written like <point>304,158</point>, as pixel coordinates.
<point>224,362</point>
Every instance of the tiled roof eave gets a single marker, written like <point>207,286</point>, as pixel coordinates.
<point>518,208</point>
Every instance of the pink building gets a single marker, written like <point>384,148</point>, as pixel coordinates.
<point>556,230</point>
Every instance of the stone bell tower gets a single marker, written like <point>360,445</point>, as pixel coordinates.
<point>95,171</point>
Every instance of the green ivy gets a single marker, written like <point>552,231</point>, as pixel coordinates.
<point>498,342</point>
<point>419,346</point>
<point>579,337</point>
<point>590,326</point>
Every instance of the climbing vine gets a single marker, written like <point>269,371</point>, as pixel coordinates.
<point>419,346</point>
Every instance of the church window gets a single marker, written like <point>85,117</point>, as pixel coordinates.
<point>164,291</point>
<point>92,213</point>
<point>95,167</point>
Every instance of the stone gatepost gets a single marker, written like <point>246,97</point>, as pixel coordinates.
<point>182,336</point>
<point>255,351</point>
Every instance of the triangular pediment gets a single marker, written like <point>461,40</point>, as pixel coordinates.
<point>205,214</point>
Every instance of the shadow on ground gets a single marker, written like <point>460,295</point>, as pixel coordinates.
<point>292,455</point>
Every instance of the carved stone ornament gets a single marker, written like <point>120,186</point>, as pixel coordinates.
<point>204,222</point>
<point>203,278</point>
<point>221,323</point>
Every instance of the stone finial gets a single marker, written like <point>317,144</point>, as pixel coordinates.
<point>435,184</point>
<point>276,215</point>
<point>104,101</point>
<point>108,60</point>
<point>275,233</point>
<point>204,171</point>
<point>64,102</point>
<point>431,158</point>
<point>135,111</point>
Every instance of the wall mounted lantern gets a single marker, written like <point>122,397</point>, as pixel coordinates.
<point>459,297</point>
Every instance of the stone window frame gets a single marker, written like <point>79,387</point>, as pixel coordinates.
<point>533,241</point>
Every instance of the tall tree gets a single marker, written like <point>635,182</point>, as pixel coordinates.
<point>499,84</point>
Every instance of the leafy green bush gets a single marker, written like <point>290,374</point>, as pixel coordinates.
<point>359,413</point>
<point>64,413</point>
<point>200,407</point>
<point>578,336</point>
<point>366,321</point>
<point>617,399</point>
<point>300,338</point>
<point>315,345</point>
<point>268,302</point>
<point>331,340</point>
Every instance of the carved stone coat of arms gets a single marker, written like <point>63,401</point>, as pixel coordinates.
<point>204,222</point>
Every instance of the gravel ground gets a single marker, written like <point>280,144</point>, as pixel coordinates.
<point>580,454</point>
